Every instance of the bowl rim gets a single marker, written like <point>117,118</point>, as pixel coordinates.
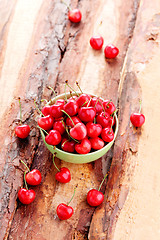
<point>55,149</point>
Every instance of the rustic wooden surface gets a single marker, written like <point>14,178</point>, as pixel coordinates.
<point>41,48</point>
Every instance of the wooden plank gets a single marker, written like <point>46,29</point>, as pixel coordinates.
<point>131,207</point>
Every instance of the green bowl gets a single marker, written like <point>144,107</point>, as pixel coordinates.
<point>79,158</point>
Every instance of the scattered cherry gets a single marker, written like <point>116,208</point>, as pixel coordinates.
<point>95,197</point>
<point>111,51</point>
<point>64,211</point>
<point>96,42</point>
<point>22,131</point>
<point>26,196</point>
<point>137,119</point>
<point>75,15</point>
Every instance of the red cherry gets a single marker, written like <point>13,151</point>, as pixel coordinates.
<point>74,119</point>
<point>22,131</point>
<point>53,138</point>
<point>79,131</point>
<point>63,176</point>
<point>71,108</point>
<point>64,211</point>
<point>137,119</point>
<point>46,122</point>
<point>97,103</point>
<point>112,121</point>
<point>96,42</point>
<point>107,134</point>
<point>26,196</point>
<point>96,143</point>
<point>75,15</point>
<point>87,114</point>
<point>103,119</point>
<point>33,177</point>
<point>73,98</point>
<point>109,107</point>
<point>84,147</point>
<point>83,98</point>
<point>59,126</point>
<point>93,130</point>
<point>111,51</point>
<point>60,101</point>
<point>46,110</point>
<point>67,145</point>
<point>95,197</point>
<point>55,110</point>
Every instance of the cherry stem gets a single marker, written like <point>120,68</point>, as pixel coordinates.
<point>71,94</point>
<point>89,102</point>
<point>54,155</point>
<point>96,103</point>
<point>25,165</point>
<point>72,197</point>
<point>94,121</point>
<point>71,88</point>
<point>20,108</point>
<point>53,92</point>
<point>102,106</point>
<point>66,4</point>
<point>65,92</point>
<point>84,103</point>
<point>25,180</point>
<point>140,107</point>
<point>108,103</point>
<point>69,117</point>
<point>79,87</point>
<point>44,100</point>
<point>102,181</point>
<point>65,142</point>
<point>43,130</point>
<point>38,109</point>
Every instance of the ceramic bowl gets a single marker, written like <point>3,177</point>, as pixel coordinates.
<point>79,158</point>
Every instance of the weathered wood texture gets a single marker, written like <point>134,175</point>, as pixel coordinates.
<point>41,48</point>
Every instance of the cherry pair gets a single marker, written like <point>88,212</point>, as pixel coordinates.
<point>25,195</point>
<point>110,50</point>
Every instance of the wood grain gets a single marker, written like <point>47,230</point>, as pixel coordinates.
<point>41,48</point>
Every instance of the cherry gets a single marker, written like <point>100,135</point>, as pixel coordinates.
<point>103,119</point>
<point>59,126</point>
<point>67,145</point>
<point>83,100</point>
<point>46,122</point>
<point>32,177</point>
<point>87,114</point>
<point>96,42</point>
<point>79,131</point>
<point>46,110</point>
<point>137,119</point>
<point>53,138</point>
<point>60,101</point>
<point>97,103</point>
<point>71,108</point>
<point>84,147</point>
<point>64,211</point>
<point>111,51</point>
<point>26,196</point>
<point>75,15</point>
<point>112,121</point>
<point>96,143</point>
<point>63,175</point>
<point>109,107</point>
<point>95,197</point>
<point>107,134</point>
<point>74,120</point>
<point>22,131</point>
<point>93,130</point>
<point>55,110</point>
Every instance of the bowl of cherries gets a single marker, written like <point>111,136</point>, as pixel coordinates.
<point>79,127</point>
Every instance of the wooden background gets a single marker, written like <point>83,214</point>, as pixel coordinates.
<point>39,47</point>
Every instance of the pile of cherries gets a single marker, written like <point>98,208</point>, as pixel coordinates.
<point>80,124</point>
